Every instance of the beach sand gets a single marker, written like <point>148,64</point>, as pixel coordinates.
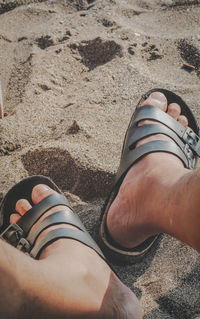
<point>71,76</point>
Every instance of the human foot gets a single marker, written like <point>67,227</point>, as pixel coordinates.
<point>39,193</point>
<point>148,201</point>
<point>75,265</point>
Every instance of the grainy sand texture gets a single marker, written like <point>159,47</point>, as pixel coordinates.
<point>71,74</point>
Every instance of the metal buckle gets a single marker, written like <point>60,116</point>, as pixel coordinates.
<point>24,245</point>
<point>193,140</point>
<point>190,156</point>
<point>12,234</point>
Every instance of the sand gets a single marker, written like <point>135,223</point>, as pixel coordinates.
<point>71,76</point>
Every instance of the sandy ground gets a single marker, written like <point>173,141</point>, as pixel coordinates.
<point>71,76</point>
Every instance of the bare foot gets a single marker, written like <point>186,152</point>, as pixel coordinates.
<point>82,282</point>
<point>158,194</point>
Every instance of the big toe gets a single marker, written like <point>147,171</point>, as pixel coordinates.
<point>22,206</point>
<point>156,99</point>
<point>41,191</point>
<point>159,100</point>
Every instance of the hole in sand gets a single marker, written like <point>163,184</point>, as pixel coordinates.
<point>190,54</point>
<point>4,7</point>
<point>68,174</point>
<point>90,1</point>
<point>97,52</point>
<point>44,42</point>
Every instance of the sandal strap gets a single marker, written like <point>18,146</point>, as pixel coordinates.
<point>137,133</point>
<point>61,217</point>
<point>69,233</point>
<point>149,112</point>
<point>152,147</point>
<point>32,216</point>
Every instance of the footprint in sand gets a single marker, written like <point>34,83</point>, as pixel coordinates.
<point>87,183</point>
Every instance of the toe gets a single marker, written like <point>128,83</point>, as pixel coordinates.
<point>156,99</point>
<point>40,192</point>
<point>183,120</point>
<point>14,218</point>
<point>174,110</point>
<point>22,206</point>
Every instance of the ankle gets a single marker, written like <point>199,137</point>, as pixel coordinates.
<point>119,302</point>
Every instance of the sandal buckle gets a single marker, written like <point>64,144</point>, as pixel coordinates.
<point>190,156</point>
<point>24,245</point>
<point>12,234</point>
<point>192,139</point>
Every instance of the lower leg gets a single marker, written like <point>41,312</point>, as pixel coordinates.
<point>16,270</point>
<point>184,221</point>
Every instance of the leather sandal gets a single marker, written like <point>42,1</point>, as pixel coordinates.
<point>17,234</point>
<point>186,148</point>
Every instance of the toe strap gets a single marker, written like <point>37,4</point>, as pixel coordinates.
<point>31,217</point>
<point>132,156</point>
<point>157,146</point>
<point>137,133</point>
<point>61,217</point>
<point>187,141</point>
<point>60,233</point>
<point>15,232</point>
<point>186,134</point>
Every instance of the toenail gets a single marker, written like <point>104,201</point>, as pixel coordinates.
<point>174,110</point>
<point>22,205</point>
<point>41,188</point>
<point>158,96</point>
